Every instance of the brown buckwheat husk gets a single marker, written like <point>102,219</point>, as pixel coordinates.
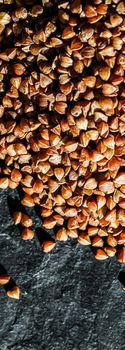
<point>62,117</point>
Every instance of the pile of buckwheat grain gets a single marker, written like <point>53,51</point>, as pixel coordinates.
<point>62,118</point>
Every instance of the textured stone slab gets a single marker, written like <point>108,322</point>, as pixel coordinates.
<point>69,300</point>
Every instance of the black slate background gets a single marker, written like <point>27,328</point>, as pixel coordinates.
<point>69,301</point>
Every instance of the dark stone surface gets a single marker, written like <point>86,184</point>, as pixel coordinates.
<point>69,300</point>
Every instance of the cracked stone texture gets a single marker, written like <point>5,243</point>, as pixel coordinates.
<point>69,301</point>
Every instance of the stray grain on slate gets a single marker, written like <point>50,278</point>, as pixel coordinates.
<point>62,118</point>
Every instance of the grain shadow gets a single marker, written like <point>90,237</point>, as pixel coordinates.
<point>14,204</point>
<point>2,270</point>
<point>20,192</point>
<point>11,283</point>
<point>43,235</point>
<point>121,278</point>
<point>37,211</point>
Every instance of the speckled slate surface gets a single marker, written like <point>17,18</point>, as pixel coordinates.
<point>69,300</point>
